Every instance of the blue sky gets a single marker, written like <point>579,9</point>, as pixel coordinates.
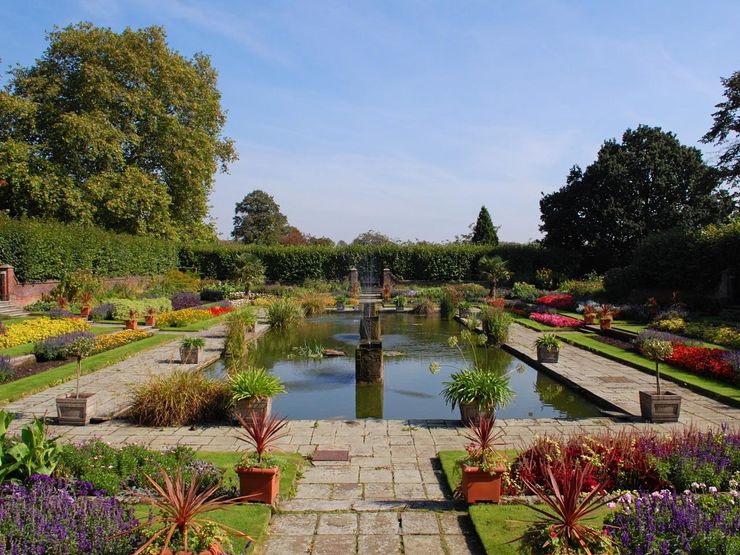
<point>406,116</point>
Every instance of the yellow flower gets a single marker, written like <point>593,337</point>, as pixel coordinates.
<point>37,329</point>
<point>112,340</point>
<point>179,318</point>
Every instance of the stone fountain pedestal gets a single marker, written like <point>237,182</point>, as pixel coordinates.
<point>369,354</point>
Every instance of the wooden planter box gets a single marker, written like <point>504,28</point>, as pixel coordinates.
<point>260,485</point>
<point>471,412</point>
<point>479,485</point>
<point>660,408</point>
<point>76,411</point>
<point>545,355</point>
<point>244,407</point>
<point>189,355</point>
<point>340,307</point>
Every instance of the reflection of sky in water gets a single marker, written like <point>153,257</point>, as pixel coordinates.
<point>326,388</point>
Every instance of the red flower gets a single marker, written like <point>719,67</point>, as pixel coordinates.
<point>556,300</point>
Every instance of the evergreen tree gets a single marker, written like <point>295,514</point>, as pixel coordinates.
<point>484,232</point>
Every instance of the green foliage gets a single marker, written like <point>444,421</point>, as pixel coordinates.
<point>255,383</point>
<point>42,251</point>
<point>258,219</point>
<point>524,291</point>
<point>113,129</point>
<point>32,453</point>
<point>236,346</point>
<point>283,313</point>
<point>484,232</point>
<point>477,386</point>
<point>725,129</point>
<point>646,183</point>
<point>172,282</point>
<point>73,285</point>
<point>494,269</point>
<point>589,287</point>
<point>140,307</point>
<point>548,341</point>
<point>313,304</point>
<point>496,324</point>
<point>193,342</point>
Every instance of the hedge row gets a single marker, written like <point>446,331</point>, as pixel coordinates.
<point>411,262</point>
<point>41,251</point>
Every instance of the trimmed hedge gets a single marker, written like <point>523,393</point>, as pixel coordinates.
<point>294,264</point>
<point>140,307</point>
<point>41,251</point>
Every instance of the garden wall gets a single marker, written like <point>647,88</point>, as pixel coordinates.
<point>22,294</point>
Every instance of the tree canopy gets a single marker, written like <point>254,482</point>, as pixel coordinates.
<point>258,219</point>
<point>484,232</point>
<point>725,131</point>
<point>646,183</point>
<point>113,129</point>
<point>371,238</point>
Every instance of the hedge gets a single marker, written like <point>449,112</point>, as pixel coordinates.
<point>292,264</point>
<point>140,307</point>
<point>40,251</point>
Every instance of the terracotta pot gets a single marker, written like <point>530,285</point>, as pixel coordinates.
<point>605,324</point>
<point>479,485</point>
<point>132,325</point>
<point>85,312</point>
<point>260,485</point>
<point>589,319</point>
<point>473,412</point>
<point>665,407</point>
<point>545,355</point>
<point>151,320</point>
<point>76,411</point>
<point>244,407</point>
<point>189,355</point>
<point>166,551</point>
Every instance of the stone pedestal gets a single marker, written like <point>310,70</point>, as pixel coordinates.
<point>369,363</point>
<point>369,400</point>
<point>354,282</point>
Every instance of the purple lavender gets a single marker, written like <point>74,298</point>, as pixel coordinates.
<point>6,370</point>
<point>57,348</point>
<point>57,312</point>
<point>103,311</point>
<point>185,299</point>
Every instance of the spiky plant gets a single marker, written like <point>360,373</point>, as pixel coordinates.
<point>260,431</point>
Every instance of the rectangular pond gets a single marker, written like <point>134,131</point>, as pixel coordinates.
<point>325,387</point>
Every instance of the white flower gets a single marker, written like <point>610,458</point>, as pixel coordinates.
<point>687,492</point>
<point>712,489</point>
<point>611,504</point>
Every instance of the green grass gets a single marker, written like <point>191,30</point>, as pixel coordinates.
<point>32,384</point>
<point>27,348</point>
<point>250,518</point>
<point>696,382</point>
<point>12,319</point>
<point>200,325</point>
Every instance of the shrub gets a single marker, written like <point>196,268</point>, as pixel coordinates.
<point>6,369</point>
<point>524,291</point>
<point>589,287</point>
<point>181,398</point>
<point>255,383</point>
<point>58,313</point>
<point>704,361</point>
<point>140,307</point>
<point>282,313</point>
<point>40,306</point>
<point>104,311</point>
<point>496,324</point>
<point>620,282</point>
<point>73,285</point>
<point>54,516</point>
<point>57,348</point>
<point>37,329</point>
<point>315,303</point>
<point>555,320</point>
<point>425,306</point>
<point>173,281</point>
<point>484,388</point>
<point>185,299</point>
<point>562,301</point>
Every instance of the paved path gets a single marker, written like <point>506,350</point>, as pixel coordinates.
<point>619,384</point>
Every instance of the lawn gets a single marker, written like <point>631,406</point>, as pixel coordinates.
<point>681,376</point>
<point>449,459</point>
<point>249,518</point>
<point>27,348</point>
<point>200,325</point>
<point>37,382</point>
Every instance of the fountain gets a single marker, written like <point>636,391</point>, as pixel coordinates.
<point>369,354</point>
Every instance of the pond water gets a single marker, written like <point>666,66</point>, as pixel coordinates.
<point>325,388</point>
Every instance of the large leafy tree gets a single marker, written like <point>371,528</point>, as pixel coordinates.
<point>258,219</point>
<point>646,183</point>
<point>484,232</point>
<point>725,131</point>
<point>113,129</point>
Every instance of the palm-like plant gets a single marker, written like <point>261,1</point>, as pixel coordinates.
<point>483,433</point>
<point>494,269</point>
<point>566,510</point>
<point>261,431</point>
<point>180,508</point>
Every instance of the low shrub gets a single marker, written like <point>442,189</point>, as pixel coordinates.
<point>315,303</point>
<point>555,320</point>
<point>38,329</point>
<point>103,311</point>
<point>173,281</point>
<point>185,299</point>
<point>524,291</point>
<point>425,306</point>
<point>496,324</point>
<point>40,306</point>
<point>140,306</point>
<point>721,335</point>
<point>179,399</point>
<point>6,369</point>
<point>57,348</point>
<point>282,313</point>
<point>561,301</point>
<point>58,313</point>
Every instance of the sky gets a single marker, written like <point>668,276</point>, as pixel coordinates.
<point>405,116</point>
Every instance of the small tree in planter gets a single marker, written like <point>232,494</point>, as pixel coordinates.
<point>259,473</point>
<point>86,307</point>
<point>190,349</point>
<point>132,323</point>
<point>77,408</point>
<point>548,348</point>
<point>151,317</point>
<point>482,467</point>
<point>252,391</point>
<point>606,315</point>
<point>658,406</point>
<point>589,314</point>
<point>400,302</point>
<point>341,302</point>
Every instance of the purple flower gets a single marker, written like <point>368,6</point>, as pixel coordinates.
<point>185,299</point>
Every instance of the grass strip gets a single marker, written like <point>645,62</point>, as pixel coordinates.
<point>38,382</point>
<point>27,348</point>
<point>724,392</point>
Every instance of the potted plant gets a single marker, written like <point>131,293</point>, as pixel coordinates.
<point>589,314</point>
<point>463,309</point>
<point>400,302</point>
<point>482,467</point>
<point>151,317</point>
<point>252,391</point>
<point>86,307</point>
<point>132,322</point>
<point>606,315</point>
<point>259,473</point>
<point>341,301</point>
<point>548,348</point>
<point>658,406</point>
<point>190,349</point>
<point>76,409</point>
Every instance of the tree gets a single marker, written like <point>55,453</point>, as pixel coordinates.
<point>249,271</point>
<point>258,219</point>
<point>293,236</point>
<point>647,183</point>
<point>371,238</point>
<point>494,269</point>
<point>726,130</point>
<point>484,232</point>
<point>113,129</point>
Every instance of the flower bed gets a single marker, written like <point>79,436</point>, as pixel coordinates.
<point>54,516</point>
<point>705,361</point>
<point>555,320</point>
<point>220,310</point>
<point>721,335</point>
<point>119,339</point>
<point>561,301</point>
<point>38,329</point>
<point>180,318</point>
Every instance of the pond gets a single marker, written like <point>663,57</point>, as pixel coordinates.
<point>325,388</point>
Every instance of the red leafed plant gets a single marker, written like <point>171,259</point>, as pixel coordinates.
<point>261,431</point>
<point>481,453</point>
<point>496,302</point>
<point>563,525</point>
<point>86,299</point>
<point>180,508</point>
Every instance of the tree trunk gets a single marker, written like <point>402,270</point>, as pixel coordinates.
<point>657,376</point>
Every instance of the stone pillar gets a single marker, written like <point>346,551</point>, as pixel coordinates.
<point>354,282</point>
<point>369,400</point>
<point>369,353</point>
<point>370,324</point>
<point>7,281</point>
<point>387,284</point>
